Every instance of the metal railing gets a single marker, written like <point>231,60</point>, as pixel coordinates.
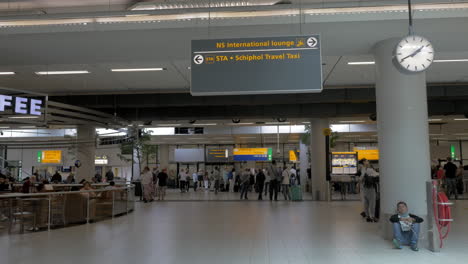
<point>42,211</point>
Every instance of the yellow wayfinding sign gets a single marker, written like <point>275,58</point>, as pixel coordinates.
<point>292,156</point>
<point>369,154</point>
<point>254,154</point>
<point>49,156</point>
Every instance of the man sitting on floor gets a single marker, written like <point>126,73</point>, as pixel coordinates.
<point>405,227</point>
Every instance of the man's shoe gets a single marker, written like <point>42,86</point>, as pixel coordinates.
<point>363,214</point>
<point>396,243</point>
<point>368,219</point>
<point>414,248</point>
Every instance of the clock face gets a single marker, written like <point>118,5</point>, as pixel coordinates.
<point>414,53</point>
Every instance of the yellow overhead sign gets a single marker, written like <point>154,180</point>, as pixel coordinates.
<point>369,154</point>
<point>49,156</point>
<point>251,151</point>
<point>293,155</point>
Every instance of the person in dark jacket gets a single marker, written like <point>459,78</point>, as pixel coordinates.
<point>57,178</point>
<point>259,182</point>
<point>405,227</point>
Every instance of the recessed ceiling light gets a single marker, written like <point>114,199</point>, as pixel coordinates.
<point>138,70</point>
<point>60,72</point>
<point>7,73</point>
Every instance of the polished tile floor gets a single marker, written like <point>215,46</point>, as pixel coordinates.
<point>230,232</point>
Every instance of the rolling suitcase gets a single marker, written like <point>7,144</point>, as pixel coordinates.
<point>296,193</point>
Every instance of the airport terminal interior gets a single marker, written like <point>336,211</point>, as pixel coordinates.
<point>249,131</point>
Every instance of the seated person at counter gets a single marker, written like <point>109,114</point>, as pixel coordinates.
<point>405,227</point>
<point>26,188</point>
<point>71,178</point>
<point>57,178</point>
<point>97,178</point>
<point>87,187</point>
<point>4,184</point>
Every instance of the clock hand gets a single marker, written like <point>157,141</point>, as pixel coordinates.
<point>413,54</point>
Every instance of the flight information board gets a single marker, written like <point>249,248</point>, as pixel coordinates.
<point>275,65</point>
<point>253,154</point>
<point>218,154</point>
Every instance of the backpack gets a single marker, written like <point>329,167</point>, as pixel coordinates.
<point>369,182</point>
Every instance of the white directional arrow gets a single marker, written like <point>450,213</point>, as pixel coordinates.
<point>198,59</point>
<point>312,42</point>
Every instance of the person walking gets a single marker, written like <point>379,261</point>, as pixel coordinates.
<point>182,180</point>
<point>216,179</point>
<point>231,177</point>
<point>369,181</point>
<point>147,183</point>
<point>245,182</point>
<point>285,183</point>
<point>162,184</point>
<point>260,182</point>
<point>451,178</point>
<point>275,180</point>
<point>200,178</point>
<point>267,181</point>
<point>109,175</point>
<point>195,180</point>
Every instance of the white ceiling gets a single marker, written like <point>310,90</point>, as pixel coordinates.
<point>98,48</point>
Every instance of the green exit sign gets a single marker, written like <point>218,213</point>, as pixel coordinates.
<point>452,151</point>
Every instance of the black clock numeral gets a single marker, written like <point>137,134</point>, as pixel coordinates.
<point>428,60</point>
<point>407,67</point>
<point>424,66</point>
<point>416,68</point>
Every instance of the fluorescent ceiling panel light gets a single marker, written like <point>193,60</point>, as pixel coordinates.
<point>352,121</point>
<point>157,5</point>
<point>7,73</point>
<point>60,72</point>
<point>434,119</point>
<point>170,125</point>
<point>23,117</point>
<point>140,125</point>
<point>138,70</point>
<point>436,134</point>
<point>4,127</point>
<point>461,119</point>
<point>385,9</point>
<point>305,122</point>
<point>27,127</point>
<point>239,124</point>
<point>209,124</point>
<point>361,63</point>
<point>455,60</point>
<point>277,123</point>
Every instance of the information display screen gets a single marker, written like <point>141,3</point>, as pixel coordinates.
<point>344,163</point>
<point>274,65</point>
<point>189,155</point>
<point>218,154</point>
<point>253,154</point>
<point>49,156</point>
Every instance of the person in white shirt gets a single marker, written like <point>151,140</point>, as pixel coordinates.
<point>147,183</point>
<point>183,180</point>
<point>267,180</point>
<point>285,184</point>
<point>368,178</point>
<point>195,180</point>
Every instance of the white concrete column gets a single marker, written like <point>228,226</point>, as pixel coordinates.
<point>86,152</point>
<point>318,159</point>
<point>304,159</point>
<point>164,156</point>
<point>403,135</point>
